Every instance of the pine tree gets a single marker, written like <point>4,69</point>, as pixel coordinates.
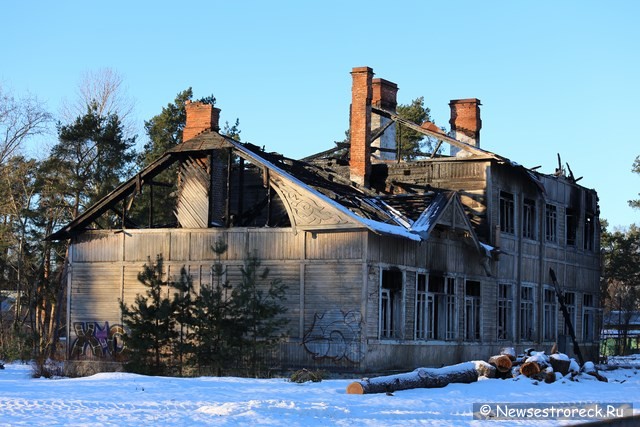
<point>213,319</point>
<point>412,144</point>
<point>259,309</point>
<point>150,323</point>
<point>94,156</point>
<point>183,312</point>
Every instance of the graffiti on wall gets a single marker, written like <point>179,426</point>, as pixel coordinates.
<point>97,340</point>
<point>335,335</point>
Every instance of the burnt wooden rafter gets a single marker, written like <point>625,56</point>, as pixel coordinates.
<point>201,143</point>
<point>110,200</point>
<point>377,133</point>
<point>439,136</point>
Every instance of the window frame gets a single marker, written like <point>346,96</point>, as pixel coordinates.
<point>529,219</point>
<point>472,311</point>
<point>504,311</point>
<point>526,313</point>
<point>391,305</point>
<point>551,223</point>
<point>549,315</point>
<point>507,212</point>
<point>442,308</point>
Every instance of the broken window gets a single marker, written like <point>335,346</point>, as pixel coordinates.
<point>589,231</point>
<point>570,303</point>
<point>572,226</point>
<point>528,219</point>
<point>441,308</point>
<point>526,313</point>
<point>551,223</point>
<point>549,315</point>
<point>391,304</point>
<point>505,312</point>
<point>472,311</point>
<point>506,213</point>
<point>588,318</point>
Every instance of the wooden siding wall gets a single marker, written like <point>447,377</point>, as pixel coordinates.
<point>323,274</point>
<point>527,261</point>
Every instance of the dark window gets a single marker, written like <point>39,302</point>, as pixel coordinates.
<point>505,312</point>
<point>589,231</point>
<point>551,223</point>
<point>572,226</point>
<point>506,213</point>
<point>528,219</point>
<point>570,303</point>
<point>472,311</point>
<point>441,308</point>
<point>550,315</point>
<point>588,318</point>
<point>527,319</point>
<point>391,304</point>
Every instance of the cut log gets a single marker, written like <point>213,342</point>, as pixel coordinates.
<point>549,375</point>
<point>560,363</point>
<point>501,362</point>
<point>509,351</point>
<point>530,369</point>
<point>465,373</point>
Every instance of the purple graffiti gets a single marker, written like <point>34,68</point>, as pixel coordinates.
<point>102,341</point>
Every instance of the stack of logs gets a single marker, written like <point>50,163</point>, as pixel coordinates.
<point>532,364</point>
<point>539,366</point>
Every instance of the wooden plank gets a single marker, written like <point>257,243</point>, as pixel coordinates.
<point>338,246</point>
<point>98,246</point>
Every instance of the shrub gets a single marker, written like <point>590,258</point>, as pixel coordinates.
<point>304,375</point>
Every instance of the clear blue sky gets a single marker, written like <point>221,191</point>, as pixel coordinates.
<point>553,76</point>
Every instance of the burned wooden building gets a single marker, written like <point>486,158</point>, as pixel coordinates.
<point>389,264</point>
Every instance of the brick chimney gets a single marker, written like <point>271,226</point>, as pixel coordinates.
<point>200,117</point>
<point>360,125</point>
<point>465,121</point>
<point>384,97</point>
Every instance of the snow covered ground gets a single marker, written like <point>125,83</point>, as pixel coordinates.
<point>119,399</point>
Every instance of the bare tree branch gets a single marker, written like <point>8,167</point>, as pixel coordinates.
<point>19,119</point>
<point>104,87</point>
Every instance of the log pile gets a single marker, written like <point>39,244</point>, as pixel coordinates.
<point>542,367</point>
<point>532,364</point>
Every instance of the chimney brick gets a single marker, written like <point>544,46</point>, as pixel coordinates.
<point>360,125</point>
<point>384,94</point>
<point>200,117</point>
<point>465,120</point>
